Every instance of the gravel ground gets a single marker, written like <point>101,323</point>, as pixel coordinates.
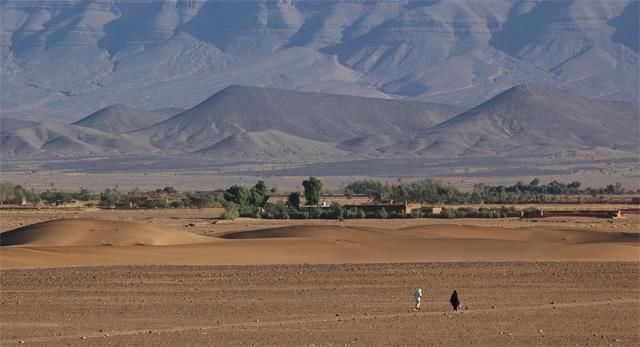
<point>508,303</point>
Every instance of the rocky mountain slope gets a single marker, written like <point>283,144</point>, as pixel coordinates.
<point>64,59</point>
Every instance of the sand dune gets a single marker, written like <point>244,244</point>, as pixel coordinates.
<point>529,234</point>
<point>443,232</point>
<point>79,242</point>
<point>96,232</point>
<point>316,232</point>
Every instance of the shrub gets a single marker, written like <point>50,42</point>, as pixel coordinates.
<point>278,210</point>
<point>157,203</point>
<point>530,212</point>
<point>315,213</point>
<point>84,195</point>
<point>312,189</point>
<point>200,200</point>
<point>294,200</point>
<point>52,197</point>
<point>448,213</point>
<point>258,195</point>
<point>170,190</point>
<point>109,198</point>
<point>230,211</point>
<point>337,211</point>
<point>177,204</point>
<point>248,211</point>
<point>238,195</point>
<point>397,215</point>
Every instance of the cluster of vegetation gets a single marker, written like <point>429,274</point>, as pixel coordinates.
<point>422,191</point>
<point>253,202</point>
<point>10,192</point>
<point>433,192</point>
<point>168,197</point>
<point>553,188</point>
<point>280,210</point>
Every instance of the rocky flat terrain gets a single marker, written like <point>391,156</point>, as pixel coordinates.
<point>508,303</point>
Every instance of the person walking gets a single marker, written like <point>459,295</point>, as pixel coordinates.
<point>455,302</point>
<point>418,296</point>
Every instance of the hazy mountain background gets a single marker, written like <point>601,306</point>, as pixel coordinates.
<point>237,123</point>
<point>241,123</point>
<point>65,59</point>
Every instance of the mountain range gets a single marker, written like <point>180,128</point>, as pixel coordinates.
<point>258,124</point>
<point>63,59</point>
<point>254,113</point>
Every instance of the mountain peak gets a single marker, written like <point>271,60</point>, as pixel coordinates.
<point>239,87</point>
<point>120,118</point>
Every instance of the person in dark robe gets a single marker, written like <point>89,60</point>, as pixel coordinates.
<point>455,302</point>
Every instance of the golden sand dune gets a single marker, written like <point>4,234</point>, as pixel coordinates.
<point>47,244</point>
<point>96,232</point>
<point>437,232</point>
<point>528,234</point>
<point>318,232</point>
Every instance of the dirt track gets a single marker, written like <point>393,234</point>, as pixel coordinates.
<point>561,303</point>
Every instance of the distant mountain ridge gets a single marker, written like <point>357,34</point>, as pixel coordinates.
<point>530,119</point>
<point>51,140</point>
<point>61,60</point>
<point>312,116</point>
<point>256,124</point>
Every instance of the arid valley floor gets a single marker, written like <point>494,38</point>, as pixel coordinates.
<point>145,277</point>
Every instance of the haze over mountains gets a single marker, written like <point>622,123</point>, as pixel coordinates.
<point>237,123</point>
<point>257,124</point>
<point>64,59</point>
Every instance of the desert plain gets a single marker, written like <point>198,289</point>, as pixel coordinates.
<point>183,277</point>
